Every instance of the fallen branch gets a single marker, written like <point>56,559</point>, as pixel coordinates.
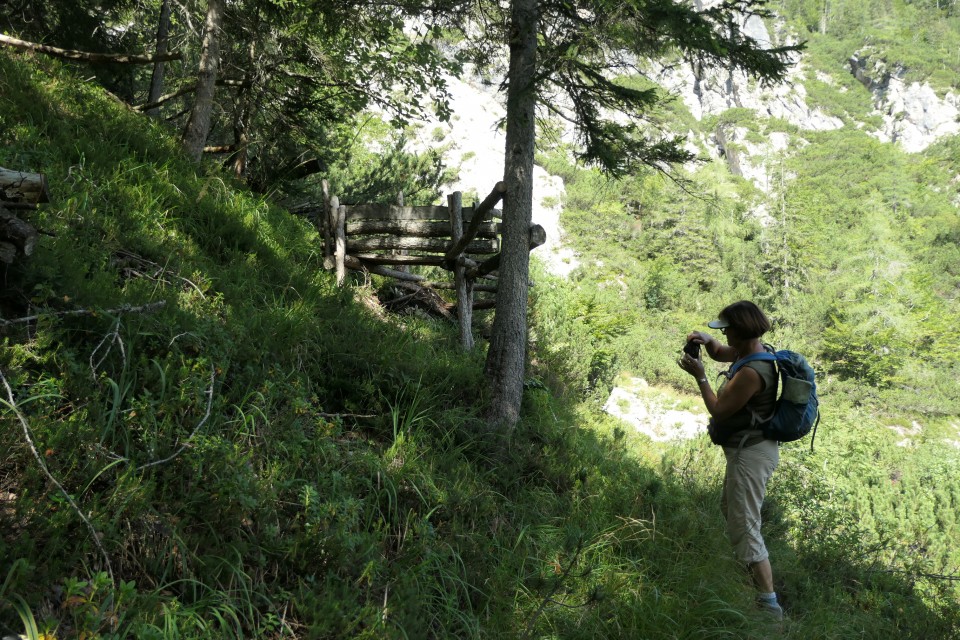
<point>424,296</point>
<point>186,443</point>
<point>11,403</point>
<point>190,88</point>
<point>532,619</point>
<point>114,337</point>
<point>161,270</point>
<point>166,98</point>
<point>929,576</point>
<point>147,308</point>
<point>86,56</point>
<point>222,148</point>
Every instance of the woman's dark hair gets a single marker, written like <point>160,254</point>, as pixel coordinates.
<point>746,319</point>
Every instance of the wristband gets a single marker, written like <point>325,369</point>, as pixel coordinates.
<point>699,380</point>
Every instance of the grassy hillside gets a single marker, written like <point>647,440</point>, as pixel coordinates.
<point>853,252</point>
<point>265,456</point>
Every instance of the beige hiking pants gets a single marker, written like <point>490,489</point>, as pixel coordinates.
<point>744,487</point>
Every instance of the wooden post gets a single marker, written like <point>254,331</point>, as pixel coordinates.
<point>341,250</point>
<point>330,213</point>
<point>324,219</point>
<point>464,285</point>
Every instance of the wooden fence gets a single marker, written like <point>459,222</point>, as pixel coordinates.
<point>386,239</point>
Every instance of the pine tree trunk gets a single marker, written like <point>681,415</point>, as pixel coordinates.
<point>237,162</point>
<point>508,341</point>
<point>198,126</point>
<point>156,81</point>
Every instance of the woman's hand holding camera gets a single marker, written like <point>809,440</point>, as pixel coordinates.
<point>699,337</point>
<point>691,363</point>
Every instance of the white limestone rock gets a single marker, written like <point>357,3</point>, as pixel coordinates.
<point>914,115</point>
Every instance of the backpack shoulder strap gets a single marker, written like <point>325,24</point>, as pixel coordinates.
<point>760,356</point>
<point>753,357</point>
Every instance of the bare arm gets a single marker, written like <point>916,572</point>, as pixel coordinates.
<point>745,384</point>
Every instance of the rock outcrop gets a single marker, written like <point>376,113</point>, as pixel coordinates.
<point>712,91</point>
<point>913,114</point>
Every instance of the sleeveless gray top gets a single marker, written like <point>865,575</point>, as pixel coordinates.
<point>758,408</point>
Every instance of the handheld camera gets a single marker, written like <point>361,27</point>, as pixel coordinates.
<point>692,349</point>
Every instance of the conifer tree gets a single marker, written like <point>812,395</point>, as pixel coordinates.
<point>565,57</point>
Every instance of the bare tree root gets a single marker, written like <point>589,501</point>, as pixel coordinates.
<point>11,402</point>
<point>147,308</point>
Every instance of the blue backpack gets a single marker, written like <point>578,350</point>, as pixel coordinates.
<point>797,411</point>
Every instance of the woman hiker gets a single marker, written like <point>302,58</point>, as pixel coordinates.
<point>741,401</point>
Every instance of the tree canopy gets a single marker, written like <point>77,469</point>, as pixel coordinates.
<point>577,51</point>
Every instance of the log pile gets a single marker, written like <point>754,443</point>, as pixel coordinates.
<point>19,193</point>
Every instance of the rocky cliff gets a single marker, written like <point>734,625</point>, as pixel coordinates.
<point>914,116</point>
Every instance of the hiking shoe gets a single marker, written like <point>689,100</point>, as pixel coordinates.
<point>771,607</point>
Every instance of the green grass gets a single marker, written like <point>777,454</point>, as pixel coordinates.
<point>264,456</point>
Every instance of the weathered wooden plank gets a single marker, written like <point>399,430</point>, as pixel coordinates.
<point>376,258</point>
<point>439,245</point>
<point>395,212</point>
<point>416,228</point>
<point>484,303</point>
<point>357,264</point>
